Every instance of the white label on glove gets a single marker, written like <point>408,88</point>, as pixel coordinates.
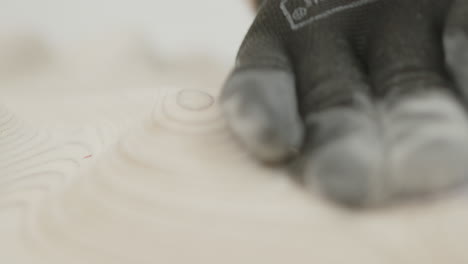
<point>313,10</point>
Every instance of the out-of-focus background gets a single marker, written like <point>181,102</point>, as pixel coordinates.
<point>173,27</point>
<point>67,48</point>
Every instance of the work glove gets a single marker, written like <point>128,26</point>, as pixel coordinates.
<point>356,95</point>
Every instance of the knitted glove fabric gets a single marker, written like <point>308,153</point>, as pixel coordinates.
<point>321,81</point>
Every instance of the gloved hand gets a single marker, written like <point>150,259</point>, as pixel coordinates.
<point>357,94</point>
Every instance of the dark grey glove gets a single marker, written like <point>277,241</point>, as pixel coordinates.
<point>356,93</point>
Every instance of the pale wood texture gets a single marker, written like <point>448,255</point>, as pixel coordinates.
<point>115,156</point>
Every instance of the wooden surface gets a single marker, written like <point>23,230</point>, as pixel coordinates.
<point>111,155</point>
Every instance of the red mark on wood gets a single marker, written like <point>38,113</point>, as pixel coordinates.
<point>87,157</point>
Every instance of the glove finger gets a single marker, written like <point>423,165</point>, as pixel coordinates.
<point>342,153</point>
<point>426,129</point>
<point>259,99</point>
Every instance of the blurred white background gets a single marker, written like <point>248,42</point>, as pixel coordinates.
<point>172,27</point>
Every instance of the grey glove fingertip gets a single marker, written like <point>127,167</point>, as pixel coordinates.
<point>261,109</point>
<point>343,157</point>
